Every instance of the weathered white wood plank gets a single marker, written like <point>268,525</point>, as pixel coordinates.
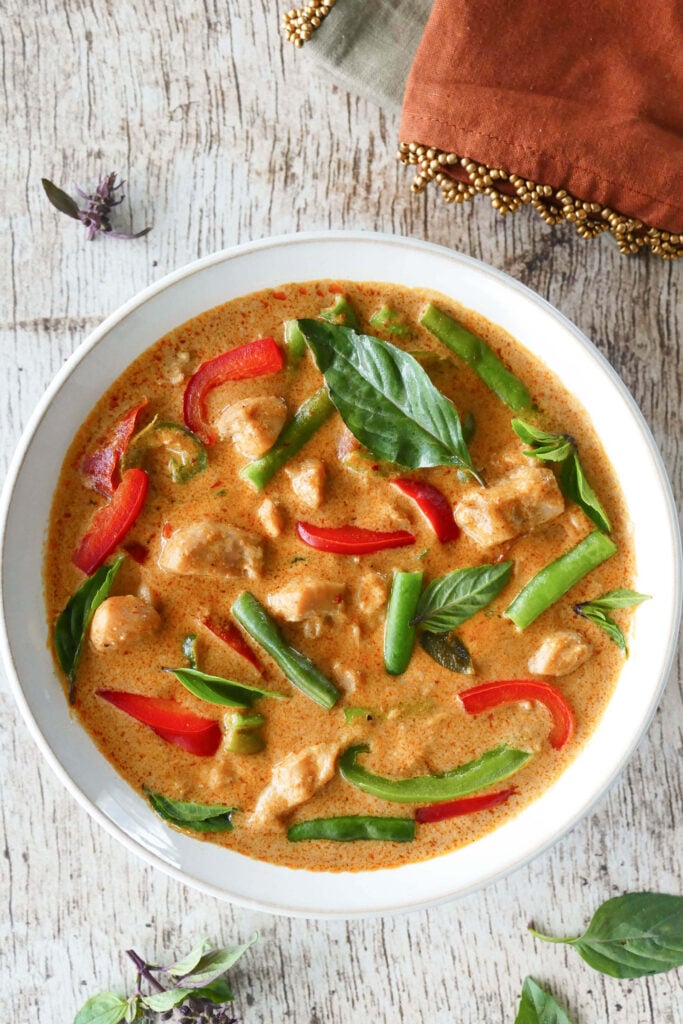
<point>227,135</point>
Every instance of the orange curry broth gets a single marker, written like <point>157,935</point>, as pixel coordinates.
<point>420,726</point>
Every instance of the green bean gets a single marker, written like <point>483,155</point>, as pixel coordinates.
<point>399,635</point>
<point>352,827</point>
<point>243,737</point>
<point>548,585</point>
<point>295,343</point>
<point>299,669</point>
<point>342,314</point>
<point>486,770</point>
<point>477,354</point>
<point>386,319</point>
<point>308,418</point>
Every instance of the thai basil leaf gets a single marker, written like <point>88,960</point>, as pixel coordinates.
<point>72,624</point>
<point>544,446</point>
<point>189,962</point>
<point>538,1007</point>
<point>575,486</point>
<point>218,991</point>
<point>217,690</point>
<point>160,1002</point>
<point>60,200</point>
<point>132,1009</point>
<point>632,936</point>
<point>449,601</point>
<point>386,399</point>
<point>215,963</point>
<point>197,817</point>
<point>189,649</point>
<point>107,1008</point>
<point>448,650</point>
<point>595,612</point>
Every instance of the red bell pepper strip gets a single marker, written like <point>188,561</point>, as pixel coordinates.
<point>111,523</point>
<point>252,359</point>
<point>508,691</point>
<point>197,735</point>
<point>231,636</point>
<point>435,505</point>
<point>101,468</point>
<point>351,540</point>
<point>466,805</point>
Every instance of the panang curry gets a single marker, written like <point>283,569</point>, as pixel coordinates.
<point>338,562</point>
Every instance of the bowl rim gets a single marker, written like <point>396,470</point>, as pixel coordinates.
<point>140,299</point>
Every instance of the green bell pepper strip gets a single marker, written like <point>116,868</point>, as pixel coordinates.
<point>307,419</point>
<point>477,354</point>
<point>299,669</point>
<point>386,319</point>
<point>486,770</point>
<point>553,581</point>
<point>342,314</point>
<point>243,735</point>
<point>353,827</point>
<point>295,343</point>
<point>399,635</point>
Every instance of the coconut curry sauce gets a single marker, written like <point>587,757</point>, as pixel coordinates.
<point>185,564</point>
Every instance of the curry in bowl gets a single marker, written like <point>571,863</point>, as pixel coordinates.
<point>338,576</point>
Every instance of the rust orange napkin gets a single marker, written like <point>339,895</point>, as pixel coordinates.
<point>574,107</point>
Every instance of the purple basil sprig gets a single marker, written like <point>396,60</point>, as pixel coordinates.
<point>96,214</point>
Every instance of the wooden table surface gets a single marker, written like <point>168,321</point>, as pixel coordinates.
<point>226,134</point>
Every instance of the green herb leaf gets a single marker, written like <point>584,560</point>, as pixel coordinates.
<point>606,624</point>
<point>448,650</point>
<point>60,200</point>
<point>72,624</point>
<point>632,936</point>
<point>544,446</point>
<point>595,612</point>
<point>160,1002</point>
<point>538,1007</point>
<point>219,991</point>
<point>189,962</point>
<point>107,1008</point>
<point>197,817</point>
<point>216,690</point>
<point>132,1009</point>
<point>215,963</point>
<point>449,601</point>
<point>575,486</point>
<point>189,648</point>
<point>616,599</point>
<point>386,399</point>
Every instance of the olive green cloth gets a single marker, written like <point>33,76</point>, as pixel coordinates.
<point>367,46</point>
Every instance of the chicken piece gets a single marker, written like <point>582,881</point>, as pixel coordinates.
<point>371,594</point>
<point>560,653</point>
<point>307,598</point>
<point>253,424</point>
<point>295,780</point>
<point>271,517</point>
<point>308,481</point>
<point>518,502</point>
<point>120,621</point>
<point>207,548</point>
<point>347,678</point>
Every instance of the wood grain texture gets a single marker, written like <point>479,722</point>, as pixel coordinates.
<point>225,134</point>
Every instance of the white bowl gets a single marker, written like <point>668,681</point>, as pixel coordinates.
<point>227,275</point>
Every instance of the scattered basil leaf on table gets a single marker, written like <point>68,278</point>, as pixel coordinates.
<point>189,962</point>
<point>544,446</point>
<point>632,936</point>
<point>575,486</point>
<point>449,651</point>
<point>197,817</point>
<point>386,399</point>
<point>214,963</point>
<point>216,690</point>
<point>72,624</point>
<point>538,1007</point>
<point>106,1008</point>
<point>596,611</point>
<point>450,600</point>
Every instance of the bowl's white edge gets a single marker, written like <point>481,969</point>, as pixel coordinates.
<point>24,444</point>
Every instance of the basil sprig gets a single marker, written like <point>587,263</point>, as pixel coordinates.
<point>449,601</point>
<point>197,817</point>
<point>386,399</point>
<point>596,612</point>
<point>216,690</point>
<point>539,1007</point>
<point>561,448</point>
<point>632,936</point>
<point>73,622</point>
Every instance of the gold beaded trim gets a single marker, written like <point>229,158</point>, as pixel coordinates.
<point>300,23</point>
<point>552,205</point>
